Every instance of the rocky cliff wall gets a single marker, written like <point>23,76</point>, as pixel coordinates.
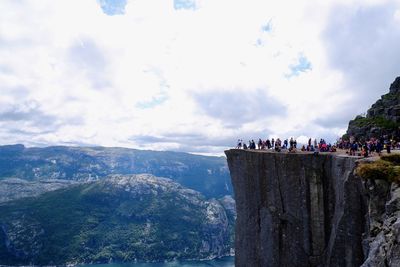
<point>299,209</point>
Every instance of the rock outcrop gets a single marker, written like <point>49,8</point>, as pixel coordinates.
<point>302,209</point>
<point>383,118</point>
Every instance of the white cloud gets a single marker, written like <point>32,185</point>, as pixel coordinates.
<point>397,15</point>
<point>149,69</point>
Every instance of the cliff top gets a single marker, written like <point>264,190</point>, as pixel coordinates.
<point>339,153</point>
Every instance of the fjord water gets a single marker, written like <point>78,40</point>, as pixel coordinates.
<point>222,262</point>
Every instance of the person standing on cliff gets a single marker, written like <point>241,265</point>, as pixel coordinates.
<point>239,144</point>
<point>260,143</point>
<point>285,143</point>
<point>388,147</point>
<point>379,147</point>
<point>252,144</point>
<point>353,149</point>
<point>268,142</point>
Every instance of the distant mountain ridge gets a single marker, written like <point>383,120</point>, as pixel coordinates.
<point>208,175</point>
<point>118,218</point>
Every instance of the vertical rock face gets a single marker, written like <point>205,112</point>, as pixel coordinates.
<point>297,209</point>
<point>383,236</point>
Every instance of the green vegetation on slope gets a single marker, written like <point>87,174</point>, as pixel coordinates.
<point>381,122</point>
<point>103,221</point>
<point>386,168</point>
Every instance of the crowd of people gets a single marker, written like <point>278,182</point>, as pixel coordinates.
<point>351,146</point>
<point>368,147</point>
<point>290,145</point>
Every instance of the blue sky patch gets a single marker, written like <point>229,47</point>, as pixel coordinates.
<point>113,7</point>
<point>155,101</point>
<point>185,4</point>
<point>267,27</point>
<point>303,65</point>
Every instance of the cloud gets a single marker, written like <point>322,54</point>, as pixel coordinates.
<point>362,43</point>
<point>28,112</point>
<point>87,58</point>
<point>190,75</point>
<point>238,107</point>
<point>161,96</point>
<point>198,143</point>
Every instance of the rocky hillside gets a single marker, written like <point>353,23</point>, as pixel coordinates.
<point>120,218</point>
<point>208,175</point>
<point>383,118</point>
<point>382,240</point>
<point>307,210</point>
<point>13,188</point>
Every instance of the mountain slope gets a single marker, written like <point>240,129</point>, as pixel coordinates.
<point>208,175</point>
<point>121,218</point>
<point>383,118</point>
<point>13,188</point>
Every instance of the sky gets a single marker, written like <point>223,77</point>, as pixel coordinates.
<point>191,75</point>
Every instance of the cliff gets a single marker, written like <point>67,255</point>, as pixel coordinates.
<point>307,210</point>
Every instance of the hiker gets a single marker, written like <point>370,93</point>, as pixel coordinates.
<point>388,146</point>
<point>239,144</point>
<point>268,143</point>
<point>253,144</point>
<point>278,145</point>
<point>365,150</point>
<point>353,148</point>
<point>379,147</point>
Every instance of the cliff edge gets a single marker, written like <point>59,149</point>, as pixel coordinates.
<point>302,209</point>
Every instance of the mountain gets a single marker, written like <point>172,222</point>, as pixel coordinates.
<point>208,175</point>
<point>119,218</point>
<point>383,118</point>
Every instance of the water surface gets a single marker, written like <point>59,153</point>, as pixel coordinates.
<point>223,262</point>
